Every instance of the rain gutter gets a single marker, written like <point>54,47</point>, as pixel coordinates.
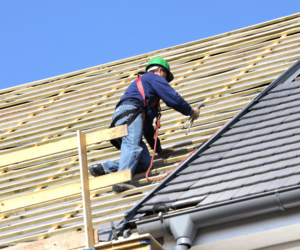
<point>184,225</point>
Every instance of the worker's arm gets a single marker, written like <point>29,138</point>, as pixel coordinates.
<point>172,99</point>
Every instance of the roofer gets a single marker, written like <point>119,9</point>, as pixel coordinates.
<point>137,108</point>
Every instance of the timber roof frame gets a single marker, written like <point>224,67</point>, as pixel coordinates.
<point>225,71</point>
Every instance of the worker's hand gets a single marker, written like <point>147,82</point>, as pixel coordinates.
<point>196,113</point>
<point>165,153</point>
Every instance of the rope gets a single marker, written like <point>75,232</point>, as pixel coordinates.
<point>156,135</point>
<point>154,150</point>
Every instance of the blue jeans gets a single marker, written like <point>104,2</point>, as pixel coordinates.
<point>134,152</point>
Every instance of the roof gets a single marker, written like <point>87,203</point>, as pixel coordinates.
<point>256,153</point>
<point>225,72</point>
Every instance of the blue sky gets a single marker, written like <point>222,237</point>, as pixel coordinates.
<point>44,38</point>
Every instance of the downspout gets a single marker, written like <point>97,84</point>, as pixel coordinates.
<point>184,225</point>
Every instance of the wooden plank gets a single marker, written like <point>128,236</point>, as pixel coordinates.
<point>60,242</point>
<point>85,188</point>
<point>63,191</point>
<point>66,144</point>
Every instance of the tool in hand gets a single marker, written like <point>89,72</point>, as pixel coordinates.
<point>192,119</point>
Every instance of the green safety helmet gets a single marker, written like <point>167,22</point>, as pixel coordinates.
<point>163,63</point>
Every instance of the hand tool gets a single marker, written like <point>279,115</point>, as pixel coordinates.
<point>192,119</point>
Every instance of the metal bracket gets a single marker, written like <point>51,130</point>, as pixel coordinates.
<point>127,233</point>
<point>113,229</point>
<point>162,221</point>
<point>278,201</point>
<point>158,205</point>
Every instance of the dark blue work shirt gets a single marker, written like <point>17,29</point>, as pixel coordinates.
<point>155,86</point>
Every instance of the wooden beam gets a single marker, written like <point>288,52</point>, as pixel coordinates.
<point>85,189</point>
<point>61,242</point>
<point>63,145</point>
<point>62,191</point>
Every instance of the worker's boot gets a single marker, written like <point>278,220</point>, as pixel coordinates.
<point>118,188</point>
<point>96,170</point>
<point>165,153</point>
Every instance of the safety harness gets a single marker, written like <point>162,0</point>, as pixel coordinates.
<point>143,108</point>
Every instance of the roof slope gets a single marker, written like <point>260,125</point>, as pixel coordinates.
<point>225,71</point>
<point>256,154</point>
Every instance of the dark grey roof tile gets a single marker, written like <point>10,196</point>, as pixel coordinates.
<point>247,164</point>
<point>240,151</point>
<point>253,179</point>
<point>188,194</point>
<point>242,192</point>
<point>277,95</point>
<point>256,155</point>
<point>290,98</point>
<point>232,176</point>
<point>259,105</point>
<point>229,161</point>
<point>277,114</point>
<point>285,86</point>
<point>269,123</point>
<point>200,167</point>
<point>287,126</point>
<point>259,188</point>
<point>224,139</point>
<point>218,197</point>
<point>244,122</point>
<point>285,163</point>
<point>251,171</point>
<point>276,184</point>
<point>269,176</point>
<point>292,118</point>
<point>285,172</point>
<point>259,112</point>
<point>273,136</point>
<point>249,142</point>
<point>176,187</point>
<point>205,190</point>
<point>158,198</point>
<point>208,181</point>
<point>188,202</point>
<point>218,149</point>
<point>259,132</point>
<point>218,171</point>
<point>212,198</point>
<point>216,157</point>
<point>279,157</point>
<point>291,181</point>
<point>187,177</point>
<point>292,139</point>
<point>236,184</point>
<point>242,129</point>
<point>268,145</point>
<point>220,187</point>
<point>286,148</point>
